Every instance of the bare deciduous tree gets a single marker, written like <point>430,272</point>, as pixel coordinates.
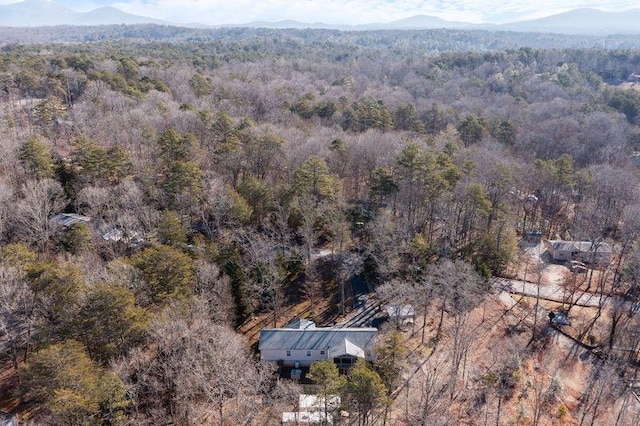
<point>200,373</point>
<point>215,289</point>
<point>16,311</point>
<point>396,294</point>
<point>430,406</point>
<point>5,197</point>
<point>604,385</point>
<point>40,201</point>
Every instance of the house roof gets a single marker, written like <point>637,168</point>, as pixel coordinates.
<point>562,245</point>
<point>345,347</point>
<point>401,311</point>
<point>314,338</point>
<point>68,219</point>
<point>301,324</point>
<point>315,402</point>
<point>580,246</point>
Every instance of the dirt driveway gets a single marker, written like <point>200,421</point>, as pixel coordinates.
<point>537,260</point>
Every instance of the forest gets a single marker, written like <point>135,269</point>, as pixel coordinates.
<point>166,192</point>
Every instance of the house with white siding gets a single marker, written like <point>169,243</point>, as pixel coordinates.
<point>583,251</point>
<point>301,343</point>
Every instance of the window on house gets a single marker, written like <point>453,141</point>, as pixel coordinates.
<point>308,353</point>
<point>322,352</point>
<point>288,353</point>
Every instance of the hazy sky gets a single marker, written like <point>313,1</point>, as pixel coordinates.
<point>344,11</point>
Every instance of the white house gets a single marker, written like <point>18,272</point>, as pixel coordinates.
<point>583,251</point>
<point>307,343</point>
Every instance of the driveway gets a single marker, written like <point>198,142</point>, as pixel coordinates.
<point>556,293</point>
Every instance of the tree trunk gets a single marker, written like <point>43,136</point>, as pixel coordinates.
<point>424,325</point>
<point>441,321</point>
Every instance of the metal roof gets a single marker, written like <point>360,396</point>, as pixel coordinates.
<point>314,338</point>
<point>400,311</point>
<point>315,402</point>
<point>347,348</point>
<point>580,246</point>
<point>68,219</point>
<point>301,324</point>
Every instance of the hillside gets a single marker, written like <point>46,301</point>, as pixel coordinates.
<point>167,193</point>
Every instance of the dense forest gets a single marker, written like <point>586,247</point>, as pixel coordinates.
<point>163,190</point>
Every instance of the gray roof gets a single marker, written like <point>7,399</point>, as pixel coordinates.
<point>400,311</point>
<point>315,402</point>
<point>345,347</point>
<point>301,324</point>
<point>314,338</point>
<point>68,219</point>
<point>580,246</point>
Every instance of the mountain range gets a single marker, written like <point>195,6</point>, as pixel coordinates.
<point>36,13</point>
<point>33,13</point>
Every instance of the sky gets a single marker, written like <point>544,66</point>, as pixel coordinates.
<point>216,12</point>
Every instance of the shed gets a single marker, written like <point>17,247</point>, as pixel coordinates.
<point>403,313</point>
<point>316,403</point>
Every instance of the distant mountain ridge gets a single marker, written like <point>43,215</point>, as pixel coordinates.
<point>33,13</point>
<point>413,23</point>
<point>36,13</point>
<point>582,21</point>
<point>577,21</point>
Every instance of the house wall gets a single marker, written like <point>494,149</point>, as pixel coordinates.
<point>587,257</point>
<point>562,255</point>
<point>296,355</point>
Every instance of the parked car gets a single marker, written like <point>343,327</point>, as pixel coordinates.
<point>577,267</point>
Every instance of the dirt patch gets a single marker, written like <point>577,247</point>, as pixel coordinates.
<point>501,330</point>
